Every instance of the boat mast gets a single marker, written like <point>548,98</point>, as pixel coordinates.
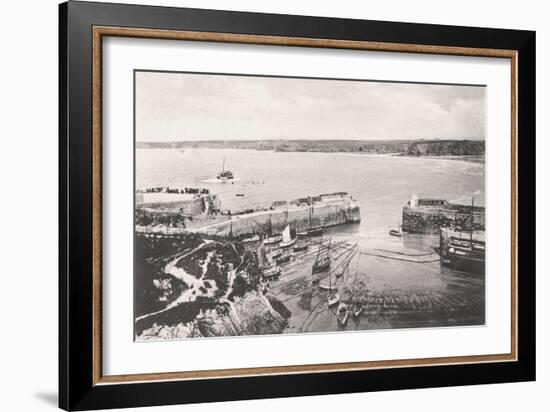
<point>319,251</point>
<point>330,269</point>
<point>472,222</point>
<point>310,210</point>
<point>329,281</point>
<point>223,166</point>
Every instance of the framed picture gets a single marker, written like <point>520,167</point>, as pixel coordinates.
<point>257,205</point>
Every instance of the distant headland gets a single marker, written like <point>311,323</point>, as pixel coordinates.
<point>415,148</point>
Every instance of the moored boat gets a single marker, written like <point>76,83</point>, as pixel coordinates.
<point>315,231</point>
<point>284,258</point>
<point>396,233</point>
<point>324,286</point>
<point>463,250</point>
<point>251,239</point>
<point>275,253</point>
<point>342,313</point>
<point>287,240</point>
<point>357,309</point>
<point>300,247</point>
<point>333,298</point>
<point>271,272</point>
<point>322,262</point>
<point>271,240</point>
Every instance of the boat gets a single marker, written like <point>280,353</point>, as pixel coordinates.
<point>225,175</point>
<point>271,272</point>
<point>356,305</point>
<point>274,254</point>
<point>442,259</point>
<point>356,309</point>
<point>342,313</point>
<point>300,247</point>
<point>315,231</point>
<point>322,262</point>
<point>239,194</point>
<point>287,240</point>
<point>271,240</point>
<point>333,298</point>
<point>283,258</point>
<point>396,232</point>
<point>463,250</point>
<point>324,286</point>
<point>251,239</point>
<point>311,230</point>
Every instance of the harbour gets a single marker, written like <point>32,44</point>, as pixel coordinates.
<point>381,281</point>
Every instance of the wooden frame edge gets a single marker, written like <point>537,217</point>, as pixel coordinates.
<point>97,174</point>
<point>98,32</point>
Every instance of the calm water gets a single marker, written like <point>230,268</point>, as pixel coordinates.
<point>382,185</point>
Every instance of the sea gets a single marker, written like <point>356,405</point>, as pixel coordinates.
<point>404,284</point>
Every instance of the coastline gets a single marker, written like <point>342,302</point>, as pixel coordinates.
<point>477,159</point>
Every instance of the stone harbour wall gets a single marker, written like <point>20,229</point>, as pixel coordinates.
<point>322,214</point>
<point>431,220</point>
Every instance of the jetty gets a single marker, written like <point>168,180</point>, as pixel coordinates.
<point>428,216</point>
<point>304,215</point>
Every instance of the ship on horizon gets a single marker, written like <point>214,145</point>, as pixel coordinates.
<point>225,175</point>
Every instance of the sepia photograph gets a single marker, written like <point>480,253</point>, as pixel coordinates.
<point>286,205</point>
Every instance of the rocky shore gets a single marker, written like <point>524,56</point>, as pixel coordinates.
<point>252,314</point>
<point>196,286</point>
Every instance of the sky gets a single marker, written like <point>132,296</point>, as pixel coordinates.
<point>183,106</point>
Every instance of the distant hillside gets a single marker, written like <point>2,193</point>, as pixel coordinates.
<point>403,147</point>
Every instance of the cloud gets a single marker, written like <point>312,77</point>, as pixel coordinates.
<point>180,106</point>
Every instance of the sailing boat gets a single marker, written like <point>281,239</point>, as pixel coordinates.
<point>311,230</point>
<point>328,287</point>
<point>225,175</point>
<point>287,239</point>
<point>271,239</point>
<point>322,262</point>
<point>269,268</point>
<point>333,298</point>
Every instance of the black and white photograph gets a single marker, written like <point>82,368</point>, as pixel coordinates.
<point>282,205</point>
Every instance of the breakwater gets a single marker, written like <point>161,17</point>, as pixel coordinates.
<point>300,217</point>
<point>430,215</point>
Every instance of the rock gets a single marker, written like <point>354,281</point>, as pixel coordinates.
<point>252,314</point>
<point>257,315</point>
<point>179,331</point>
